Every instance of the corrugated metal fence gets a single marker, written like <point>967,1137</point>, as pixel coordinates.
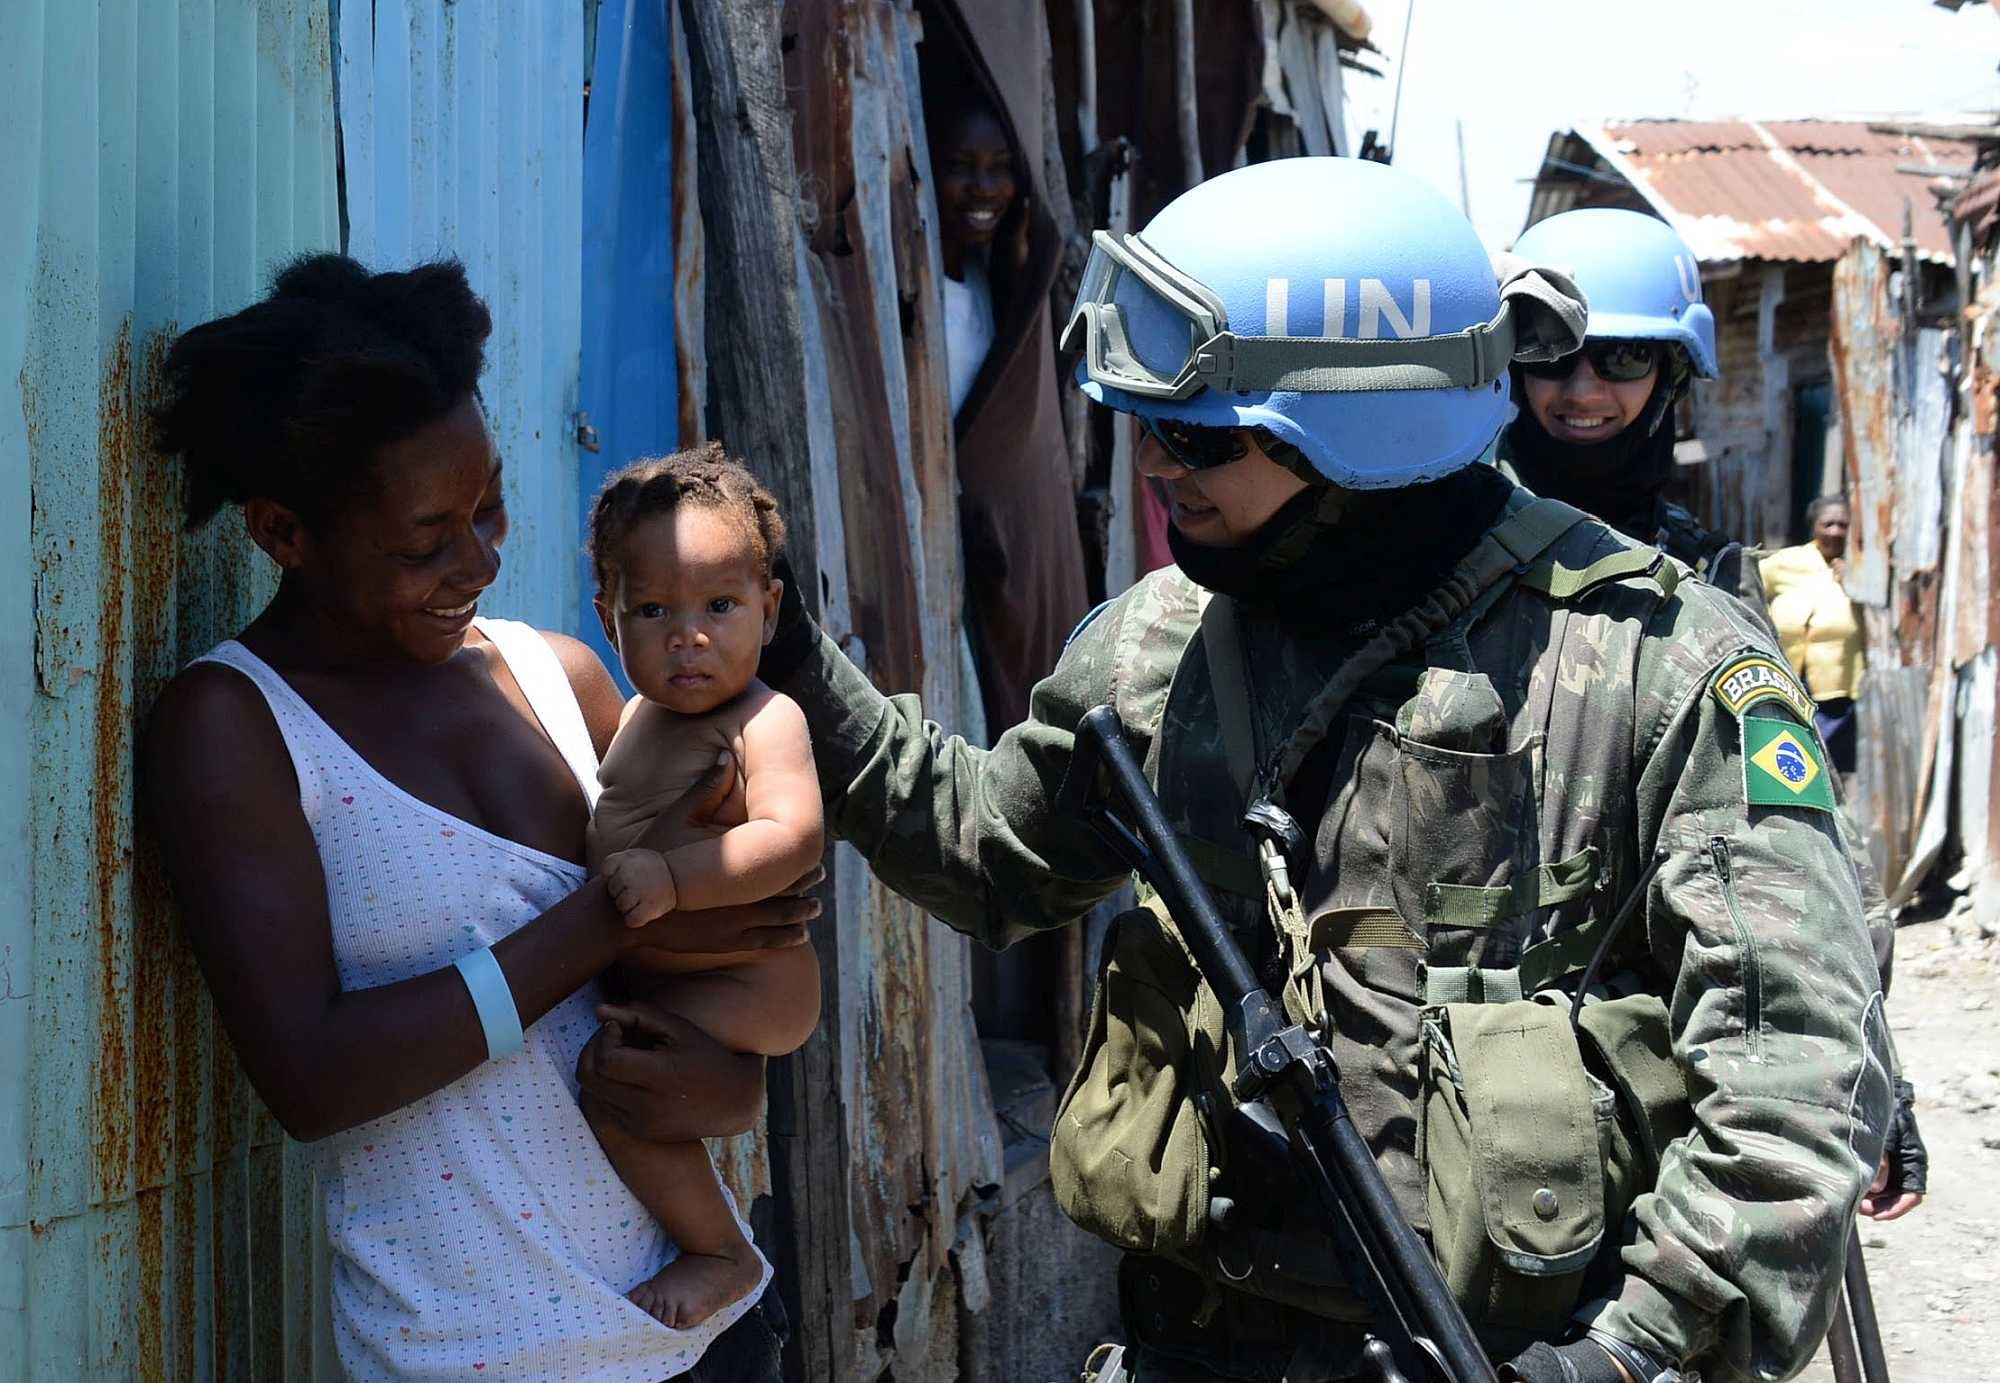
<point>159,159</point>
<point>462,134</point>
<point>162,158</point>
<point>1918,413</point>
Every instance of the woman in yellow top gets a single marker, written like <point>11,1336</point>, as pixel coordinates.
<point>1818,626</point>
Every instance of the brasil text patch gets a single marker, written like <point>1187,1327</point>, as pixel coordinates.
<point>1750,678</point>
<point>1783,766</point>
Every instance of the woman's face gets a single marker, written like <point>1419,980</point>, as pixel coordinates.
<point>975,180</point>
<point>1220,506</point>
<point>1583,407</point>
<point>401,572</point>
<point>1829,533</point>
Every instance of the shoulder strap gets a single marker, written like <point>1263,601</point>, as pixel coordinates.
<point>1502,554</point>
<point>1566,583</point>
<point>1529,531</point>
<point>299,725</point>
<point>539,673</point>
<point>1229,674</point>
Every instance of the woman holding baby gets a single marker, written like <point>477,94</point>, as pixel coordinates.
<point>373,806</point>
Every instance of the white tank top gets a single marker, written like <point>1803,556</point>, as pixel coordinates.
<point>478,1233</point>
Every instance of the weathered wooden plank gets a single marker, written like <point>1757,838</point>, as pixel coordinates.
<point>759,403</point>
<point>1865,334</point>
<point>840,140</point>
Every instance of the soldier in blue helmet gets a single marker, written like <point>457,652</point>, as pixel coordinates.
<point>1594,429</point>
<point>1512,740</point>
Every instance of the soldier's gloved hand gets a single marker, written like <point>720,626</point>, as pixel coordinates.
<point>1596,1358</point>
<point>1905,1172</point>
<point>796,634</point>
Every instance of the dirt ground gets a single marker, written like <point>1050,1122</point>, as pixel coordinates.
<point>1936,1272</point>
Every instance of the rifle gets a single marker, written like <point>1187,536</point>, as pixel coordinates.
<point>1854,1324</point>
<point>1421,1335</point>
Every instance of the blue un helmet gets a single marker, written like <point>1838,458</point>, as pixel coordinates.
<point>1641,279</point>
<point>1345,306</point>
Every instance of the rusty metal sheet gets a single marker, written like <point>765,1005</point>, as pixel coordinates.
<point>1973,501</point>
<point>1888,779</point>
<point>1782,190</point>
<point>1923,417</point>
<point>920,1123</point>
<point>1977,688</point>
<point>1865,336</point>
<point>165,157</point>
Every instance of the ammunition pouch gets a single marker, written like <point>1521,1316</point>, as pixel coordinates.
<point>1535,1138</point>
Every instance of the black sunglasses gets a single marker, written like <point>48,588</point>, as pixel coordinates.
<point>1616,362</point>
<point>1196,447</point>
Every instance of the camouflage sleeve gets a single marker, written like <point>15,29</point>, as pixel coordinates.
<point>1755,918</point>
<point>969,834</point>
<point>1736,572</point>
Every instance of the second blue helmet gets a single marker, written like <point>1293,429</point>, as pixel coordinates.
<point>1642,281</point>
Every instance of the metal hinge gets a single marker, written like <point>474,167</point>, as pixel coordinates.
<point>586,435</point>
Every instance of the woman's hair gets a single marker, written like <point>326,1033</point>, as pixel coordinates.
<point>293,397</point>
<point>1821,505</point>
<point>704,476</point>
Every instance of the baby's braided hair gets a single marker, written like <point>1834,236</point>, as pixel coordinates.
<point>703,475</point>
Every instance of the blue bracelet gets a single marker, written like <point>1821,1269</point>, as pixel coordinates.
<point>494,1001</point>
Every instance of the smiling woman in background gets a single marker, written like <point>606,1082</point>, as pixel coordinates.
<point>999,250</point>
<point>974,167</point>
<point>1818,625</point>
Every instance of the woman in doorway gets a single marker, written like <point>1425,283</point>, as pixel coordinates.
<point>372,806</point>
<point>1024,569</point>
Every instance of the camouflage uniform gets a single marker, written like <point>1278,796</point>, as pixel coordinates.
<point>1576,719</point>
<point>1731,567</point>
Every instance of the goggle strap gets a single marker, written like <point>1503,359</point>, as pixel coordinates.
<point>1466,359</point>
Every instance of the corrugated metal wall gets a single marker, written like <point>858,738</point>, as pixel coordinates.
<point>462,134</point>
<point>1918,405</point>
<point>160,158</point>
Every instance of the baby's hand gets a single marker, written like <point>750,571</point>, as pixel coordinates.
<point>641,884</point>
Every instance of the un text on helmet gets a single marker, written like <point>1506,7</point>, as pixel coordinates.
<point>1376,306</point>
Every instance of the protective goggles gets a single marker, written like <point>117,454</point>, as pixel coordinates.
<point>1214,357</point>
<point>1616,362</point>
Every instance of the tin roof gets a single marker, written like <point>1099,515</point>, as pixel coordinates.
<point>1798,190</point>
<point>1979,202</point>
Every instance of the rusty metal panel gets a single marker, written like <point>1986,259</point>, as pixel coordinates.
<point>161,159</point>
<point>1923,417</point>
<point>1976,700</point>
<point>1782,190</point>
<point>1865,337</point>
<point>921,1130</point>
<point>461,127</point>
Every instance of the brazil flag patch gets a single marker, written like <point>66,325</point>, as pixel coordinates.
<point>1783,766</point>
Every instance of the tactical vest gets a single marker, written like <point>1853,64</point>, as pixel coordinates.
<point>1474,849</point>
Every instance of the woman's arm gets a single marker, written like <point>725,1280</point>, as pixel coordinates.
<point>220,796</point>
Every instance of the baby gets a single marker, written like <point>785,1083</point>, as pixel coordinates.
<point>682,548</point>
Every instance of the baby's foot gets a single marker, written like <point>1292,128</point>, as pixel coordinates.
<point>696,1285</point>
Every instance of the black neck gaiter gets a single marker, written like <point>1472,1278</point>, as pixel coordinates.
<point>1332,562</point>
<point>1619,481</point>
